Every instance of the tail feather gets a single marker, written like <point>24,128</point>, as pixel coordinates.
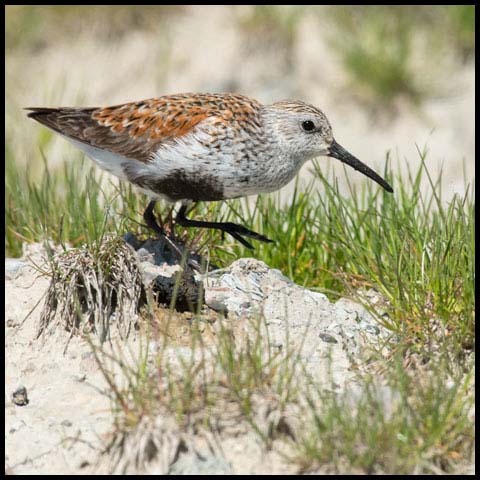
<point>45,116</point>
<point>79,124</point>
<point>67,121</point>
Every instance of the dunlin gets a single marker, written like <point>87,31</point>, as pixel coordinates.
<point>201,147</point>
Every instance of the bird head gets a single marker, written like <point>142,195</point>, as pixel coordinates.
<point>304,132</point>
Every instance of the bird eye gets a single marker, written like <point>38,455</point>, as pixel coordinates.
<point>308,125</point>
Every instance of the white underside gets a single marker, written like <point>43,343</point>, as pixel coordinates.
<point>109,161</point>
<point>192,155</point>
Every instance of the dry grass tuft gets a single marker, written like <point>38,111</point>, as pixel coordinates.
<point>214,414</point>
<point>176,400</point>
<point>93,289</point>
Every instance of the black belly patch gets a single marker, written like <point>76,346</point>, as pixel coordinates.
<point>180,186</point>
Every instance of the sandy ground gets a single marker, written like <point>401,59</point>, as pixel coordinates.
<point>61,427</point>
<point>68,421</point>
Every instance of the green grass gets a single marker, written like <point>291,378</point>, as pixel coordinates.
<point>67,206</point>
<point>375,48</point>
<point>215,383</point>
<point>417,251</point>
<point>34,27</point>
<point>416,422</point>
<point>392,51</point>
<point>278,23</point>
<point>461,27</point>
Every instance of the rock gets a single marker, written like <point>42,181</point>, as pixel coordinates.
<point>182,289</point>
<point>207,464</point>
<point>19,396</point>
<point>161,270</point>
<point>331,335</point>
<point>328,338</point>
<point>242,288</point>
<point>13,267</point>
<point>132,240</point>
<point>162,252</point>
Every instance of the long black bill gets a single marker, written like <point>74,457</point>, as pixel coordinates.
<point>337,151</point>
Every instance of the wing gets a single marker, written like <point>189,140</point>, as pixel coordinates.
<point>137,129</point>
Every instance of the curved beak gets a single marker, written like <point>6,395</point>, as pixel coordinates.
<point>337,151</point>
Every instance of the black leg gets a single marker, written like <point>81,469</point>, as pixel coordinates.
<point>236,231</point>
<point>150,219</point>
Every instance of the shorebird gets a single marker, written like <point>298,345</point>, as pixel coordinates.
<point>201,147</point>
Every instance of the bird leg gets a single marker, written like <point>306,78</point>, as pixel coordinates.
<point>150,219</point>
<point>151,222</point>
<point>236,231</point>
